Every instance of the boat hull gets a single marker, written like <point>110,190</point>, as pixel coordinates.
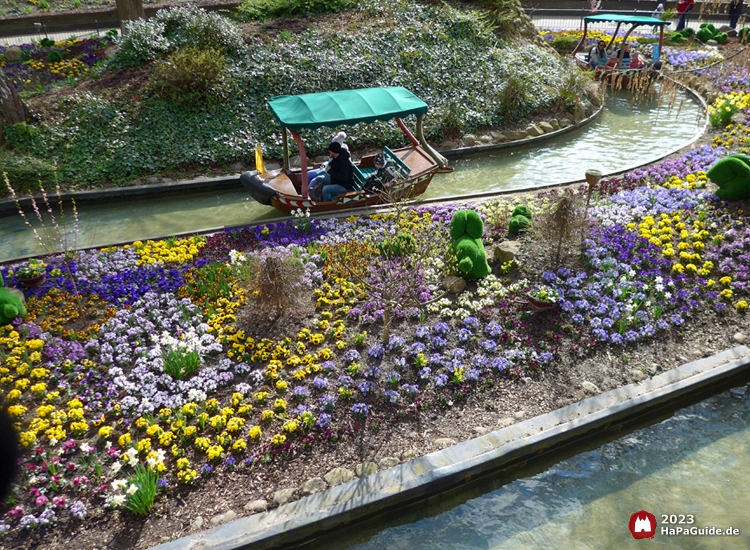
<point>256,186</point>
<point>409,189</point>
<point>282,190</point>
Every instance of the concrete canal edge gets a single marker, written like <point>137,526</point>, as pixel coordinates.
<point>451,467</point>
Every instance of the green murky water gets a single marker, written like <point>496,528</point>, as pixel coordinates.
<point>622,137</point>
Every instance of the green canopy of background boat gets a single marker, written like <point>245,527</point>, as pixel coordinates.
<point>634,21</point>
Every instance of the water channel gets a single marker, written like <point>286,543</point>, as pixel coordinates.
<point>624,136</point>
<point>693,463</point>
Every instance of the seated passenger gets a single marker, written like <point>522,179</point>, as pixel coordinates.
<point>636,62</point>
<point>598,55</point>
<point>319,177</point>
<point>341,172</point>
<point>611,63</point>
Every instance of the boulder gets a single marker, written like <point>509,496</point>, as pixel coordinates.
<point>469,140</point>
<point>546,127</point>
<point>388,462</point>
<point>454,285</point>
<point>282,496</point>
<point>485,139</point>
<point>237,166</point>
<point>564,123</point>
<point>507,251</point>
<point>312,486</point>
<point>534,130</point>
<point>408,455</point>
<point>337,476</point>
<point>448,145</point>
<point>365,469</point>
<point>295,161</point>
<point>13,54</point>
<point>516,135</point>
<point>256,506</point>
<point>497,137</point>
<point>554,123</point>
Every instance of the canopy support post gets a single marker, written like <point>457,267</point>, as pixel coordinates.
<point>442,162</point>
<point>303,161</point>
<point>406,131</point>
<point>583,38</point>
<point>661,39</point>
<point>285,145</point>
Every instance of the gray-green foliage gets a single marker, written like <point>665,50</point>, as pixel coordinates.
<point>169,29</point>
<point>448,56</point>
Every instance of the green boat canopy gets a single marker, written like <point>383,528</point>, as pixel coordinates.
<point>345,107</point>
<point>631,19</point>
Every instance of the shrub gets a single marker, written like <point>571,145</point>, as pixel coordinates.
<point>190,75</point>
<point>277,286</point>
<point>565,44</point>
<point>26,171</point>
<point>170,29</point>
<point>54,56</point>
<point>47,42</point>
<point>744,34</point>
<point>258,10</point>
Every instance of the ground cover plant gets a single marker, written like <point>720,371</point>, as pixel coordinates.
<point>162,378</point>
<point>98,135</point>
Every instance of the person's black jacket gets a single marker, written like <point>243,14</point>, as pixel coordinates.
<point>340,170</point>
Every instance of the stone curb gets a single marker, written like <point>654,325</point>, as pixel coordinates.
<point>477,149</point>
<point>455,465</point>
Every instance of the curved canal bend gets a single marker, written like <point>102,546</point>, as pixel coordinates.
<point>621,138</point>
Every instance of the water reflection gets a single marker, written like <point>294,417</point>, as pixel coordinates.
<point>695,462</point>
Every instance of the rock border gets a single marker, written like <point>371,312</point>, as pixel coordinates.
<point>458,464</point>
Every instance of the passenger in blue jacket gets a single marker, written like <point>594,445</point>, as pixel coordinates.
<point>341,172</point>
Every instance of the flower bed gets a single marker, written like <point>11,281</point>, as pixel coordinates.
<point>141,373</point>
<point>101,397</point>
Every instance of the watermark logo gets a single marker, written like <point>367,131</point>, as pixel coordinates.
<point>642,525</point>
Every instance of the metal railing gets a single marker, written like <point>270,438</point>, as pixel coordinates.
<point>569,19</point>
<point>37,31</point>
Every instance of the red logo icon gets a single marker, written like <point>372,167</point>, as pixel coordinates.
<point>642,525</point>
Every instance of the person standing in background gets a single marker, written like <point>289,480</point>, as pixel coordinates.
<point>683,8</point>
<point>734,10</point>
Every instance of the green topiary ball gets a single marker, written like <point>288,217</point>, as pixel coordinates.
<point>704,34</point>
<point>517,224</point>
<point>522,210</point>
<point>721,38</point>
<point>54,56</point>
<point>687,32</point>
<point>47,43</point>
<point>677,38</point>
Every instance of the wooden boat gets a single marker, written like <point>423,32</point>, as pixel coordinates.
<point>622,76</point>
<point>415,164</point>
